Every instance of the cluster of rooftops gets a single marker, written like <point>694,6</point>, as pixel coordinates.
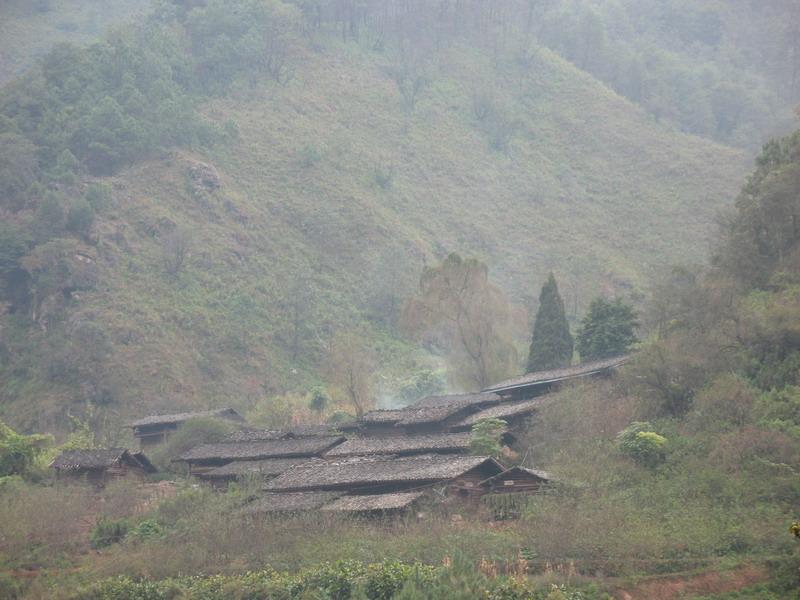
<point>385,461</point>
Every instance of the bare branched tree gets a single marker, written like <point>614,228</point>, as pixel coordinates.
<point>175,250</point>
<point>458,308</point>
<point>350,367</point>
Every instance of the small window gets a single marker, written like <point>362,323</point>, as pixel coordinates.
<point>508,482</point>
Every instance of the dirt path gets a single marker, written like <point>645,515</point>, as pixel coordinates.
<point>671,587</point>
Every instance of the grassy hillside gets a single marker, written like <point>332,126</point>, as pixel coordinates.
<point>329,195</point>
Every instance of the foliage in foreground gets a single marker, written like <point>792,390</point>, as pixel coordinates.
<point>342,580</point>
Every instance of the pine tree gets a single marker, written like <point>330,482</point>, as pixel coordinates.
<point>607,329</point>
<point>551,343</point>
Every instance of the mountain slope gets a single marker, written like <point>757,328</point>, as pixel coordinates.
<point>328,196</point>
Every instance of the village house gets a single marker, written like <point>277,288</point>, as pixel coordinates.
<point>541,382</point>
<point>374,504</point>
<point>99,466</point>
<point>263,469</point>
<point>403,445</point>
<point>154,430</point>
<point>205,457</point>
<point>379,474</point>
<point>290,502</point>
<point>513,413</point>
<point>432,414</point>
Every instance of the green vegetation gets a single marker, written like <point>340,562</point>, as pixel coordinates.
<point>486,437</point>
<point>607,330</point>
<point>18,453</point>
<point>551,343</point>
<point>294,207</point>
<point>207,270</point>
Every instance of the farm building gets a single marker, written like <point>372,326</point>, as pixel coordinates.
<point>154,430</point>
<point>265,469</point>
<point>512,413</point>
<point>380,475</point>
<point>540,382</point>
<point>290,502</point>
<point>440,443</point>
<point>374,504</point>
<point>205,457</point>
<point>428,415</point>
<point>515,480</point>
<point>101,465</point>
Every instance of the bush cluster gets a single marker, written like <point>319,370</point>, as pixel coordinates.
<point>344,580</point>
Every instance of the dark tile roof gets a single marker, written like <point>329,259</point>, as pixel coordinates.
<point>291,502</point>
<point>223,413</point>
<point>521,471</point>
<point>359,472</point>
<point>373,502</point>
<point>255,450</point>
<point>255,435</point>
<point>502,411</point>
<point>433,414</point>
<point>478,399</point>
<point>102,458</point>
<point>269,467</point>
<point>412,444</point>
<point>387,416</point>
<point>543,377</point>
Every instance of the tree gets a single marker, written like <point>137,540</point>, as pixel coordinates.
<point>319,400</point>
<point>639,442</point>
<point>457,309</point>
<point>175,250</point>
<point>551,343</point>
<point>350,369</point>
<point>607,329</point>
<point>18,452</point>
<point>18,169</point>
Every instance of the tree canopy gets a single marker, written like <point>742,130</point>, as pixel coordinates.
<point>551,343</point>
<point>607,330</point>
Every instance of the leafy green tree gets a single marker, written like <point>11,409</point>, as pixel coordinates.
<point>607,330</point>
<point>14,281</point>
<point>18,452</point>
<point>80,217</point>
<point>19,168</point>
<point>319,400</point>
<point>486,437</point>
<point>49,220</point>
<point>551,343</point>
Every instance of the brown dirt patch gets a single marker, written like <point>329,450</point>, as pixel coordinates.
<point>713,582</point>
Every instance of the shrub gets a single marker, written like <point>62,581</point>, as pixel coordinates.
<point>193,433</point>
<point>383,175</point>
<point>309,156</point>
<point>727,401</point>
<point>486,435</point>
<point>80,217</point>
<point>108,531</point>
<point>319,400</point>
<point>639,442</point>
<point>98,196</point>
<point>146,530</point>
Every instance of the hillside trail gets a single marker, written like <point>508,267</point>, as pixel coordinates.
<point>671,587</point>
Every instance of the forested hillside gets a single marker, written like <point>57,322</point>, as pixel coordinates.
<point>307,209</point>
<point>336,168</point>
<point>197,206</point>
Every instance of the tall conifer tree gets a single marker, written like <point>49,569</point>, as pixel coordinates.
<point>551,344</point>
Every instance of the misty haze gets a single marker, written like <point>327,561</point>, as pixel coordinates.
<point>399,299</point>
